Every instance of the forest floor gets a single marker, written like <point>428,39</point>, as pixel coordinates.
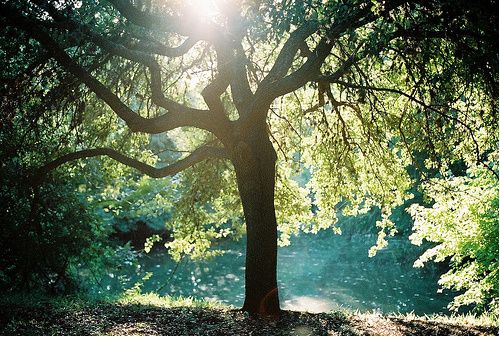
<point>70,317</point>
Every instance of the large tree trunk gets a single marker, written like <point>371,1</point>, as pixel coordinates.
<point>254,160</point>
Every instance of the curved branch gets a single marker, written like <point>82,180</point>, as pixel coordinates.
<point>141,57</point>
<point>144,46</point>
<point>311,68</point>
<point>212,92</point>
<point>240,87</point>
<point>287,53</point>
<point>196,156</point>
<point>231,61</point>
<point>148,60</point>
<point>151,46</point>
<point>178,115</point>
<point>342,69</point>
<point>279,85</point>
<point>231,64</point>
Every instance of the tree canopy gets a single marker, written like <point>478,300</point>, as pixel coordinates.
<point>323,106</point>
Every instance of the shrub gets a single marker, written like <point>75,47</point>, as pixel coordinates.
<point>463,222</point>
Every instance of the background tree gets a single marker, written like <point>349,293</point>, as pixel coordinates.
<point>352,91</point>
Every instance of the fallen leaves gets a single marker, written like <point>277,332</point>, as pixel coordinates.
<point>133,319</point>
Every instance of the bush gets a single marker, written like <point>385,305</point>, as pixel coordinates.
<point>463,222</point>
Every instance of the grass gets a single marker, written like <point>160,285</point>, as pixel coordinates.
<point>485,319</point>
<point>79,301</point>
<point>152,299</point>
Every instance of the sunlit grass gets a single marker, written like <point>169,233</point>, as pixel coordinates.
<point>485,319</point>
<point>153,299</point>
<point>77,301</point>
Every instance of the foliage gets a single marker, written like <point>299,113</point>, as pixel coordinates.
<point>51,239</point>
<point>38,248</point>
<point>463,224</point>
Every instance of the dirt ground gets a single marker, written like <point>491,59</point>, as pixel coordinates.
<point>117,319</point>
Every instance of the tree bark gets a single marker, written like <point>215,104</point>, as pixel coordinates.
<point>254,159</point>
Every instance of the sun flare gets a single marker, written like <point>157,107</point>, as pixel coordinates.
<point>204,8</point>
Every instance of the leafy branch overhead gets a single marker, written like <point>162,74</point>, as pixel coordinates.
<point>144,35</point>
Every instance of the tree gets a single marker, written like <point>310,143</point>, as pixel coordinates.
<point>349,90</point>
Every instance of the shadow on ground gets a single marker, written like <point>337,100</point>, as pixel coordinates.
<point>117,319</point>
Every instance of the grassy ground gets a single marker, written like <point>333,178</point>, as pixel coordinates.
<point>153,315</point>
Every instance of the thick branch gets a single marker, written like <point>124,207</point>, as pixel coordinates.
<point>288,52</point>
<point>305,73</point>
<point>240,87</point>
<point>196,156</point>
<point>311,68</point>
<point>231,62</point>
<point>359,17</point>
<point>146,59</point>
<point>177,116</point>
<point>212,92</point>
